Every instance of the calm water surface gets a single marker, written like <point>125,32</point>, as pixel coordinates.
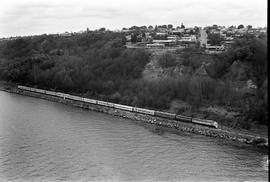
<point>47,141</point>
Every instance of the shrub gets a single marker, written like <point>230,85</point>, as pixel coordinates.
<point>167,60</point>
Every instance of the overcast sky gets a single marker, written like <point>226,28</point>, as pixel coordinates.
<point>28,17</point>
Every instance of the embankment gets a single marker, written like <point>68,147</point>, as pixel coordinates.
<point>144,118</point>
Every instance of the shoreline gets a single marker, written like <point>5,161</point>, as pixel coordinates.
<point>257,141</point>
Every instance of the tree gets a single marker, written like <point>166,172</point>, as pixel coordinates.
<point>143,27</point>
<point>215,26</point>
<point>45,46</point>
<point>214,39</point>
<point>164,26</point>
<point>240,26</point>
<point>182,25</point>
<point>170,26</point>
<point>262,36</point>
<point>254,52</point>
<point>143,35</point>
<point>220,65</point>
<point>249,27</point>
<point>20,47</point>
<point>133,28</point>
<point>124,40</point>
<point>134,37</point>
<point>102,29</point>
<point>167,60</point>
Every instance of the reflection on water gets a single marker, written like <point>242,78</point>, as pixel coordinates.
<point>41,140</point>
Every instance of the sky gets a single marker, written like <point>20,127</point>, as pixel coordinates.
<point>34,17</point>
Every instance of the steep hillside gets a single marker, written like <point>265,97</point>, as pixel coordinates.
<point>230,87</point>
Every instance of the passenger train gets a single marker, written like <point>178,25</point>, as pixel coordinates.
<point>166,115</point>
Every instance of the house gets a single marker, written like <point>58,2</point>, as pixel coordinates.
<point>176,32</point>
<point>66,34</point>
<point>165,42</point>
<point>148,35</point>
<point>125,30</point>
<point>242,30</point>
<point>188,38</point>
<point>238,35</point>
<point>161,33</point>
<point>172,37</point>
<point>227,43</point>
<point>263,30</point>
<point>188,41</point>
<point>223,35</point>
<point>156,45</point>
<point>128,38</point>
<point>228,38</point>
<point>250,31</point>
<point>215,31</point>
<point>214,49</point>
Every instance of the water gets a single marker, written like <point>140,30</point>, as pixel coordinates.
<point>47,141</point>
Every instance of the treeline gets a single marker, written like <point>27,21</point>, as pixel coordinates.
<point>97,65</point>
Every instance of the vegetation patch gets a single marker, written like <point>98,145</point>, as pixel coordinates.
<point>97,65</point>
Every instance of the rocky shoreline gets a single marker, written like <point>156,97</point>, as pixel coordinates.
<point>257,141</point>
